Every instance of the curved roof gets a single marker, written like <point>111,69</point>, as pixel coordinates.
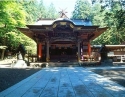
<point>3,47</point>
<point>65,19</point>
<point>83,22</point>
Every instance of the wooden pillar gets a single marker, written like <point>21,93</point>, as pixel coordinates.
<point>47,53</point>
<point>39,51</point>
<point>79,55</point>
<point>89,49</point>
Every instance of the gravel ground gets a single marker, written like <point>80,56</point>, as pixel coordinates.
<point>116,75</point>
<point>11,76</point>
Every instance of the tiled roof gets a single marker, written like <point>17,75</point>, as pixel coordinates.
<point>84,22</point>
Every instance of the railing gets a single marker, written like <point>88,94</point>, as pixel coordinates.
<point>117,58</point>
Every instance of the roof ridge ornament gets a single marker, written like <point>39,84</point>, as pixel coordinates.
<point>63,13</point>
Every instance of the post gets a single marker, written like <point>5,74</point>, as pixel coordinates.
<point>79,55</point>
<point>2,55</point>
<point>89,49</point>
<point>39,51</point>
<point>47,53</point>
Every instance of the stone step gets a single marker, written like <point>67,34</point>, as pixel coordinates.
<point>54,64</point>
<point>63,64</point>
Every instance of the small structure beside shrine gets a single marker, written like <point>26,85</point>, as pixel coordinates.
<point>115,52</point>
<point>3,48</point>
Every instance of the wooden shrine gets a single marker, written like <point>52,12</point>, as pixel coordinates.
<point>62,39</point>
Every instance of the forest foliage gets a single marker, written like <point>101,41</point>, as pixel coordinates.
<point>104,13</point>
<point>18,13</point>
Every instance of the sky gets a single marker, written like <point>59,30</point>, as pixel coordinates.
<point>62,4</point>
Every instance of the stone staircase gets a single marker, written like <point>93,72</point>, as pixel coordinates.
<point>54,64</point>
<point>63,64</point>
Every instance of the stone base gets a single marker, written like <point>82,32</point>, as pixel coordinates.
<point>107,62</point>
<point>19,64</point>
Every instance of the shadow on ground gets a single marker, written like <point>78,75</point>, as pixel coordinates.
<point>117,75</point>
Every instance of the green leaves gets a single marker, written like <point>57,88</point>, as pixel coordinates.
<point>109,13</point>
<point>82,10</point>
<point>18,13</point>
<point>51,12</point>
<point>11,16</point>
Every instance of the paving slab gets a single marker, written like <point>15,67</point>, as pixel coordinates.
<point>65,82</point>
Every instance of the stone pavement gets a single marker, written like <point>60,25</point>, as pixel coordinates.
<point>107,67</point>
<point>65,82</point>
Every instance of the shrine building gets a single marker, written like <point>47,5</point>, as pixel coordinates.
<point>62,39</point>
